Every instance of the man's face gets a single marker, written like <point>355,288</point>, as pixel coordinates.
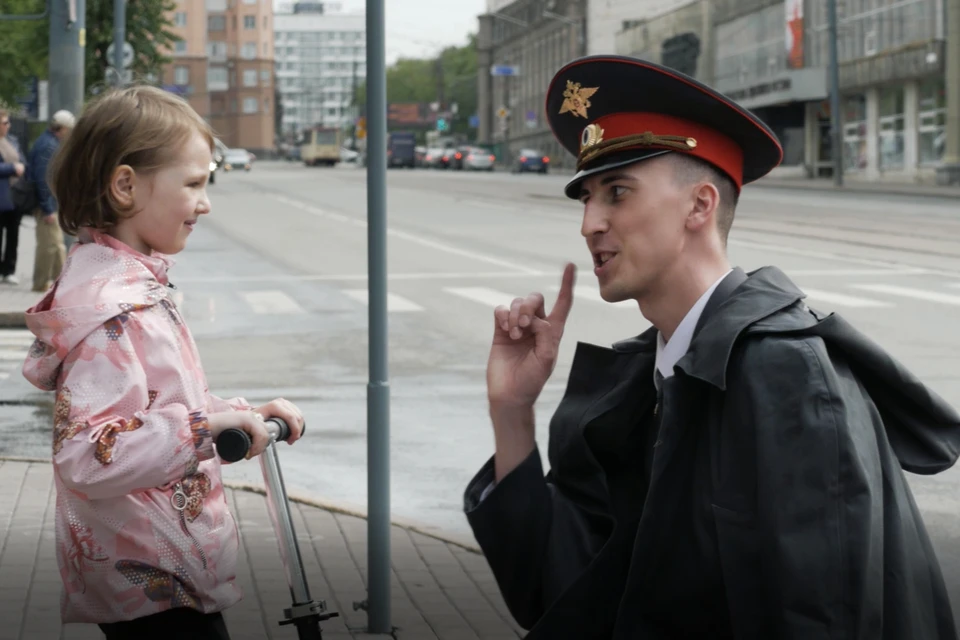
<point>4,125</point>
<point>634,223</point>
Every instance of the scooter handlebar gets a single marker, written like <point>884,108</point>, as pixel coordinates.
<point>233,444</point>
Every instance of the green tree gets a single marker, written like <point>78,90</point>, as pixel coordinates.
<point>23,48</point>
<point>147,31</point>
<point>24,45</point>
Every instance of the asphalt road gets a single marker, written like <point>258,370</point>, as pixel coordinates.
<point>274,289</point>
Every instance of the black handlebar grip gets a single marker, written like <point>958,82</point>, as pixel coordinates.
<point>283,429</point>
<point>233,444</point>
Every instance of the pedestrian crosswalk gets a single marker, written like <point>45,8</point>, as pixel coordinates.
<point>14,345</point>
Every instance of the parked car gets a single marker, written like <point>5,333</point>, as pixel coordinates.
<point>530,160</point>
<point>237,159</point>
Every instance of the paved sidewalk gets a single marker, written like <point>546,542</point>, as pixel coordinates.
<point>440,590</point>
<point>15,299</point>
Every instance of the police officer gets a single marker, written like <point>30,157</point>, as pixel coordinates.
<point>736,471</point>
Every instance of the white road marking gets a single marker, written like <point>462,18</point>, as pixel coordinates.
<point>591,293</point>
<point>12,355</point>
<point>490,297</point>
<point>410,237</point>
<point>4,376</point>
<point>394,302</point>
<point>909,292</point>
<point>280,277</point>
<point>843,300</point>
<point>271,302</point>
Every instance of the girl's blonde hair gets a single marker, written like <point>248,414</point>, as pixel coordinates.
<point>141,126</point>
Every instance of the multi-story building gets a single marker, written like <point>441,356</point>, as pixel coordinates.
<point>535,38</point>
<point>223,64</point>
<point>320,61</point>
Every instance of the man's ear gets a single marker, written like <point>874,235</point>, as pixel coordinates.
<point>706,199</point>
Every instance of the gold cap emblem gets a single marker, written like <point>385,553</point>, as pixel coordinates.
<point>576,99</point>
<point>592,134</point>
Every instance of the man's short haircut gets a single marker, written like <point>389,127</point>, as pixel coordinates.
<point>689,170</point>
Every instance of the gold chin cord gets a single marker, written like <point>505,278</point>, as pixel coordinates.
<point>648,139</point>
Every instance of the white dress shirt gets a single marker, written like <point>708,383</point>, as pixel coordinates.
<point>669,353</point>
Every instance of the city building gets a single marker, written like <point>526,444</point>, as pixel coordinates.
<point>320,61</point>
<point>223,64</point>
<point>529,40</point>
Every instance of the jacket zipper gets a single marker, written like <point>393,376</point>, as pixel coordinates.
<point>179,502</point>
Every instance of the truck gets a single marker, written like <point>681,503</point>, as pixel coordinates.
<point>322,146</point>
<point>401,149</point>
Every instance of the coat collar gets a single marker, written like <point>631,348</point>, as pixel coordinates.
<point>740,302</point>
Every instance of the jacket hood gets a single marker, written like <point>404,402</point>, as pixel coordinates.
<point>922,427</point>
<point>102,278</point>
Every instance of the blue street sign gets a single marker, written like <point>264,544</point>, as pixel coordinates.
<point>30,100</point>
<point>504,70</point>
<point>474,122</point>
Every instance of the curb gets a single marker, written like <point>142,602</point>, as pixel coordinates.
<point>326,505</point>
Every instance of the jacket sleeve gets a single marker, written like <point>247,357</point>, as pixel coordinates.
<point>109,439</point>
<point>40,163</point>
<point>216,404</point>
<point>820,486</point>
<point>535,539</point>
<point>6,170</point>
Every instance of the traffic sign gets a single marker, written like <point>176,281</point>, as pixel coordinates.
<point>127,54</point>
<point>474,122</point>
<point>503,112</point>
<point>113,77</point>
<point>504,70</point>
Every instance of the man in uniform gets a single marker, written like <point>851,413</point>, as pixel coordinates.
<point>737,471</point>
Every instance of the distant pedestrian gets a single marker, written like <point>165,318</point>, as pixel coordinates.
<point>12,168</point>
<point>51,251</point>
<point>147,545</point>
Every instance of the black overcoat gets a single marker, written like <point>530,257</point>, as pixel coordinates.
<point>770,503</point>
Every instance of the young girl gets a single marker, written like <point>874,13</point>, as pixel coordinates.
<point>146,544</point>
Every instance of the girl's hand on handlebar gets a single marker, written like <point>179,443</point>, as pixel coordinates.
<point>290,414</point>
<point>249,421</point>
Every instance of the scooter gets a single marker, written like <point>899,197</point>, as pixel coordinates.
<point>305,613</point>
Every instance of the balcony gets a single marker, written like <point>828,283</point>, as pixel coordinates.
<point>216,6</point>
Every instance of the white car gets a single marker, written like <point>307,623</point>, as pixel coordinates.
<point>477,159</point>
<point>236,159</point>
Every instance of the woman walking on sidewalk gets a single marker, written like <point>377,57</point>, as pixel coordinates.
<point>11,169</point>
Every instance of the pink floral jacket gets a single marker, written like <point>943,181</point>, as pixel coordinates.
<point>142,522</point>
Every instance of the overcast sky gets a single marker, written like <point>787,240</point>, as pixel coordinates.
<point>420,28</point>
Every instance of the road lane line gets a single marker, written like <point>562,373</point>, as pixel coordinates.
<point>410,237</point>
<point>13,355</point>
<point>271,302</point>
<point>591,293</point>
<point>909,292</point>
<point>281,277</point>
<point>490,297</point>
<point>843,300</point>
<point>394,302</point>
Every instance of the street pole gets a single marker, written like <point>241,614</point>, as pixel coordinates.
<point>68,35</point>
<point>378,389</point>
<point>836,123</point>
<point>119,37</point>
<point>949,171</point>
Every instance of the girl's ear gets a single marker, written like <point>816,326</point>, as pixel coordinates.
<point>123,185</point>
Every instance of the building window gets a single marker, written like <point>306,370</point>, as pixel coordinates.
<point>249,50</point>
<point>216,23</point>
<point>250,105</point>
<point>250,78</point>
<point>265,77</point>
<point>180,19</point>
<point>217,79</point>
<point>217,51</point>
<point>180,46</point>
<point>891,128</point>
<point>181,76</point>
<point>855,133</point>
<point>932,116</point>
<point>249,22</point>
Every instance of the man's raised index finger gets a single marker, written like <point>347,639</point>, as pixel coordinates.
<point>561,308</point>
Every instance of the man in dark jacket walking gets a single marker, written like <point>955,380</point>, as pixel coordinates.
<point>12,168</point>
<point>51,251</point>
<point>737,470</point>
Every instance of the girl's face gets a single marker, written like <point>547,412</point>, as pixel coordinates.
<point>168,202</point>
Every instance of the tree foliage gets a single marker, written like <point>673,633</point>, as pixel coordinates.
<point>452,76</point>
<point>24,45</point>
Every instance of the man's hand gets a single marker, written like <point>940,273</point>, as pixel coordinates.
<point>18,168</point>
<point>525,345</point>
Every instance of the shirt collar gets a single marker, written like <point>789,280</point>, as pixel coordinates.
<point>669,353</point>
